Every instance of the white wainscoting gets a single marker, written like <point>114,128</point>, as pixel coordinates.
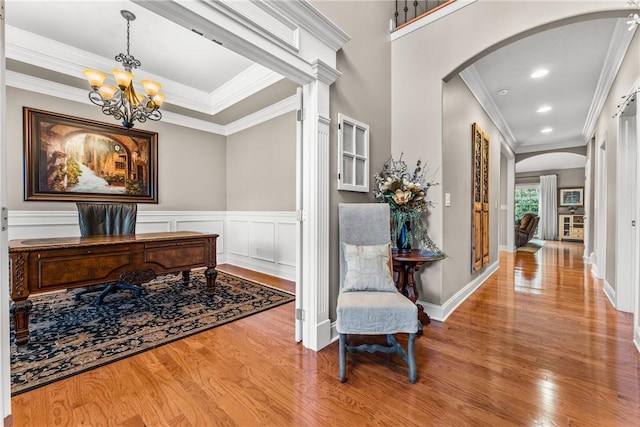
<point>261,241</point>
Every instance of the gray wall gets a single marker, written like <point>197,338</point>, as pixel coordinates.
<point>363,92</point>
<point>191,163</point>
<point>607,129</point>
<point>502,232</point>
<point>460,111</point>
<point>261,166</point>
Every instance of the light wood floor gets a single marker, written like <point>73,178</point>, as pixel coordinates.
<point>538,344</point>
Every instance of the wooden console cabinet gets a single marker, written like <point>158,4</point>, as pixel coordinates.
<point>43,265</point>
<point>571,227</point>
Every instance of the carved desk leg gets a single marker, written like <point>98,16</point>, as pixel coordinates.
<point>20,310</point>
<point>211,274</point>
<point>20,305</point>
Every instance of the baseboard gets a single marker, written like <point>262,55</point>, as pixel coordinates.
<point>507,248</point>
<point>610,293</point>
<point>442,312</point>
<point>636,337</point>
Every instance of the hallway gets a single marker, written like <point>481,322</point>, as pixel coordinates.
<point>537,345</point>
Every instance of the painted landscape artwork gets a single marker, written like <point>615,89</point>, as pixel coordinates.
<point>69,158</point>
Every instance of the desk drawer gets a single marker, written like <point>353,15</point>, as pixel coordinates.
<point>64,269</point>
<point>177,255</point>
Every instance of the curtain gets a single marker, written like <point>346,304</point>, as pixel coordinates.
<point>548,207</point>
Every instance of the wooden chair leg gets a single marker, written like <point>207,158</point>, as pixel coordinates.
<point>342,348</point>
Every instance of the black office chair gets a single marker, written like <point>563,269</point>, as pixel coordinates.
<point>100,219</point>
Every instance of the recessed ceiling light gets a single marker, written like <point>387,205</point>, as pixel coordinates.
<point>546,130</point>
<point>543,109</point>
<point>539,73</point>
<point>503,91</point>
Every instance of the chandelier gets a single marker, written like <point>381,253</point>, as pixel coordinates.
<point>634,18</point>
<point>122,102</point>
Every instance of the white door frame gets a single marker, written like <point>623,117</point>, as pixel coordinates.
<point>5,368</point>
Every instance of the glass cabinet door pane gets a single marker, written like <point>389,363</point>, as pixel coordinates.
<point>347,138</point>
<point>360,172</point>
<point>347,170</point>
<point>360,142</point>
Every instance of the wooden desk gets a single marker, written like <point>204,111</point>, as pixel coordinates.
<point>406,264</point>
<point>43,265</point>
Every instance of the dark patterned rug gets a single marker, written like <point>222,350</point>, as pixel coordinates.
<point>68,337</point>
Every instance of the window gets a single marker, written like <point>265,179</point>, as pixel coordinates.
<point>526,200</point>
<point>353,152</point>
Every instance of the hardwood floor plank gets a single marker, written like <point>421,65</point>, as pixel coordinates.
<point>537,344</point>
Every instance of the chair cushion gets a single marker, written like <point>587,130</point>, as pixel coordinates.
<point>525,221</point>
<point>375,313</point>
<point>367,268</point>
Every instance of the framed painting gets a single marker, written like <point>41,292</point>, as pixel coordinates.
<point>571,196</point>
<point>74,159</point>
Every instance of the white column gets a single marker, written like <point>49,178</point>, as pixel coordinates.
<point>315,205</point>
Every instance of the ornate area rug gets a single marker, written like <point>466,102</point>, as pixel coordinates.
<point>531,246</point>
<point>68,337</point>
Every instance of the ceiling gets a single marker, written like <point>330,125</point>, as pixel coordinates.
<point>579,58</point>
<point>200,78</point>
<point>205,81</point>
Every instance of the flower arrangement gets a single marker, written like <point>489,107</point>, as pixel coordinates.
<point>406,194</point>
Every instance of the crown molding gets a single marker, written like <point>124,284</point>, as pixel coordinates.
<point>48,54</point>
<point>245,37</point>
<point>547,147</point>
<point>245,84</point>
<point>475,84</point>
<point>45,53</point>
<point>285,106</point>
<point>324,72</point>
<point>57,90</point>
<point>45,87</point>
<point>312,20</point>
<point>620,41</point>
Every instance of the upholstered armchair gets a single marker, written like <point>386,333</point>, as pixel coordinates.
<point>368,302</point>
<point>525,230</point>
<point>100,219</point>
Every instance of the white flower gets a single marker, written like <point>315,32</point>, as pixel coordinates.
<point>402,197</point>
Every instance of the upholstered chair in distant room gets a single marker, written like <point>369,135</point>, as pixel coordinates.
<point>526,229</point>
<point>368,302</point>
<point>100,219</point>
